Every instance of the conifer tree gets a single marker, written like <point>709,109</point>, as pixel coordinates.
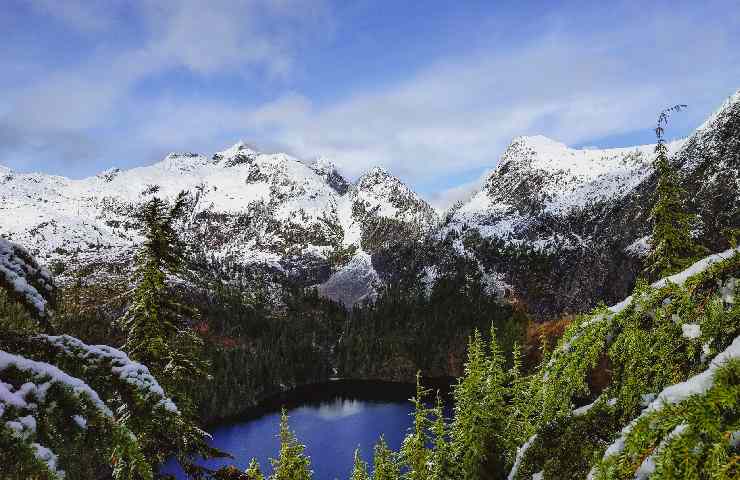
<point>495,393</point>
<point>157,326</point>
<point>253,471</point>
<point>477,432</point>
<point>441,461</point>
<point>359,469</point>
<point>292,464</point>
<point>672,246</point>
<point>414,451</point>
<point>385,466</point>
<point>470,424</point>
<point>520,407</point>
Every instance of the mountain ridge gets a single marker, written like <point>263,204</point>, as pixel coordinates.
<point>543,202</point>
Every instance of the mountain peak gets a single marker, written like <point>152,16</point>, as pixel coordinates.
<point>728,104</point>
<point>239,147</point>
<point>378,170</point>
<point>183,161</point>
<point>376,176</point>
<point>323,165</point>
<point>538,141</point>
<point>240,152</point>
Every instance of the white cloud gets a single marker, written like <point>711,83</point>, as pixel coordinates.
<point>207,38</point>
<point>459,115</point>
<point>574,81</point>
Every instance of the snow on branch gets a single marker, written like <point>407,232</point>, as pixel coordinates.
<point>44,375</point>
<point>20,405</point>
<point>132,373</point>
<point>696,385</point>
<point>25,279</point>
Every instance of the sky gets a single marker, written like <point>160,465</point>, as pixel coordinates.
<point>432,90</point>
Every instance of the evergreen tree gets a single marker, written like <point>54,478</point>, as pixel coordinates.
<point>253,471</point>
<point>495,393</point>
<point>672,246</point>
<point>442,465</point>
<point>385,466</point>
<point>520,408</point>
<point>157,325</point>
<point>292,464</point>
<point>359,469</point>
<point>414,451</point>
<point>477,432</point>
<point>469,429</point>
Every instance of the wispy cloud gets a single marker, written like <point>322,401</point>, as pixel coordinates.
<point>79,100</point>
<point>579,78</point>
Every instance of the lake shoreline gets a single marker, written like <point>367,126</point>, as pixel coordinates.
<point>371,390</point>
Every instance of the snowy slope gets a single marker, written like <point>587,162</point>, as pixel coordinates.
<point>537,177</point>
<point>356,282</point>
<point>585,210</point>
<point>251,206</point>
<point>582,216</point>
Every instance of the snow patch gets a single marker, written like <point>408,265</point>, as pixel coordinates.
<point>354,283</point>
<point>520,456</point>
<point>647,467</point>
<point>129,371</point>
<point>679,392</point>
<point>691,330</point>
<point>681,277</point>
<point>639,248</point>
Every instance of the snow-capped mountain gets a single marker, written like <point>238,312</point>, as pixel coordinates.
<point>248,206</point>
<point>559,227</point>
<point>568,226</point>
<point>538,178</point>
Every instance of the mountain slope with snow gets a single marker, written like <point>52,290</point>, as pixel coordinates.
<point>558,227</point>
<point>537,178</point>
<point>247,206</point>
<point>567,227</point>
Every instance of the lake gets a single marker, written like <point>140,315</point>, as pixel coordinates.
<point>330,419</point>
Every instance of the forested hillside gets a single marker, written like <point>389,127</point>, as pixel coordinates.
<point>646,388</point>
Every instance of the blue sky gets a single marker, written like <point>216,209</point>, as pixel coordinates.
<point>432,90</point>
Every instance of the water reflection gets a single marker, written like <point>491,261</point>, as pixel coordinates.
<point>331,430</point>
<point>339,408</point>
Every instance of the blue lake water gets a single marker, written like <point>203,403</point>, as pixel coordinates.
<point>331,428</point>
